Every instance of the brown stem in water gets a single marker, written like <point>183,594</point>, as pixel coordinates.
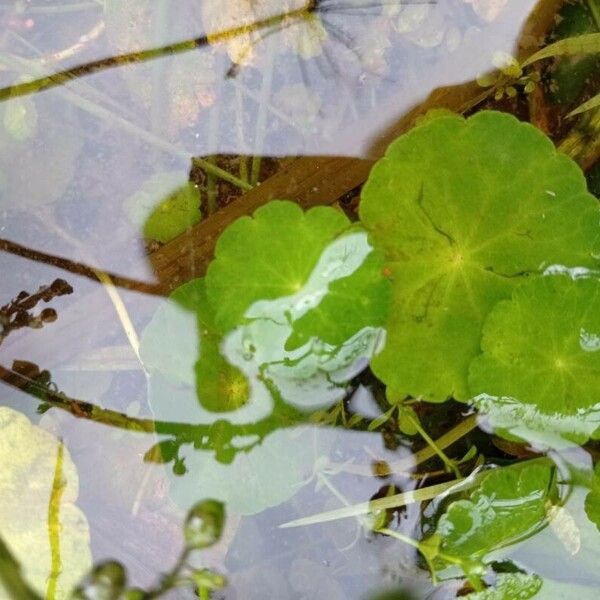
<point>79,268</point>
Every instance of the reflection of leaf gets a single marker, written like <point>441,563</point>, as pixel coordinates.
<point>142,24</point>
<point>170,342</point>
<point>510,586</point>
<point>542,349</point>
<point>545,555</point>
<point>488,9</point>
<point>164,207</point>
<point>39,521</point>
<point>464,209</point>
<point>300,103</point>
<point>237,24</point>
<point>509,505</point>
<point>267,475</point>
<point>31,173</point>
<point>301,299</point>
<point>174,89</point>
<point>307,37</point>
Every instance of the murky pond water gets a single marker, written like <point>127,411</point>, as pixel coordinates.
<point>131,134</point>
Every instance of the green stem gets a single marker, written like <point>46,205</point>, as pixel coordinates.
<point>203,593</point>
<point>211,190</point>
<point>125,125</point>
<point>170,580</point>
<point>63,77</point>
<point>450,464</point>
<point>54,525</point>
<point>244,168</point>
<point>241,137</point>
<point>160,102</point>
<point>415,544</point>
<point>255,170</point>
<point>239,86</point>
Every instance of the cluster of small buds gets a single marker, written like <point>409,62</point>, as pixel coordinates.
<point>508,78</point>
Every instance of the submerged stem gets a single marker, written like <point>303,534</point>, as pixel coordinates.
<point>450,464</point>
<point>415,544</point>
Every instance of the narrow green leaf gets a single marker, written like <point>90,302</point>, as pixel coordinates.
<point>588,43</point>
<point>589,105</point>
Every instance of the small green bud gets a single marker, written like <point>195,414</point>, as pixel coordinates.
<point>205,578</point>
<point>204,524</point>
<point>106,582</point>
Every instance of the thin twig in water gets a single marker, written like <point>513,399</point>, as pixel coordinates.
<point>79,268</point>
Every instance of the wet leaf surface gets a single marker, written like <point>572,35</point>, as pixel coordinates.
<point>509,505</point>
<point>540,361</point>
<point>470,223</point>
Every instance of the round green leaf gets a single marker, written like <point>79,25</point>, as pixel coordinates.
<point>509,505</point>
<point>352,303</point>
<point>540,362</point>
<point>299,299</point>
<point>164,207</point>
<point>268,256</point>
<point>464,210</point>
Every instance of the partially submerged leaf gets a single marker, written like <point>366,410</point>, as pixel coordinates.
<point>568,74</point>
<point>464,211</point>
<point>540,360</point>
<point>508,506</point>
<point>268,256</point>
<point>181,343</point>
<point>510,586</point>
<point>590,104</point>
<point>305,313</point>
<point>352,303</point>
<point>266,476</point>
<point>170,343</point>
<point>39,521</point>
<point>164,207</point>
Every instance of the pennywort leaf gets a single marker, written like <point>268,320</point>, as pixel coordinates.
<point>465,211</point>
<point>267,256</point>
<point>509,505</point>
<point>540,361</point>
